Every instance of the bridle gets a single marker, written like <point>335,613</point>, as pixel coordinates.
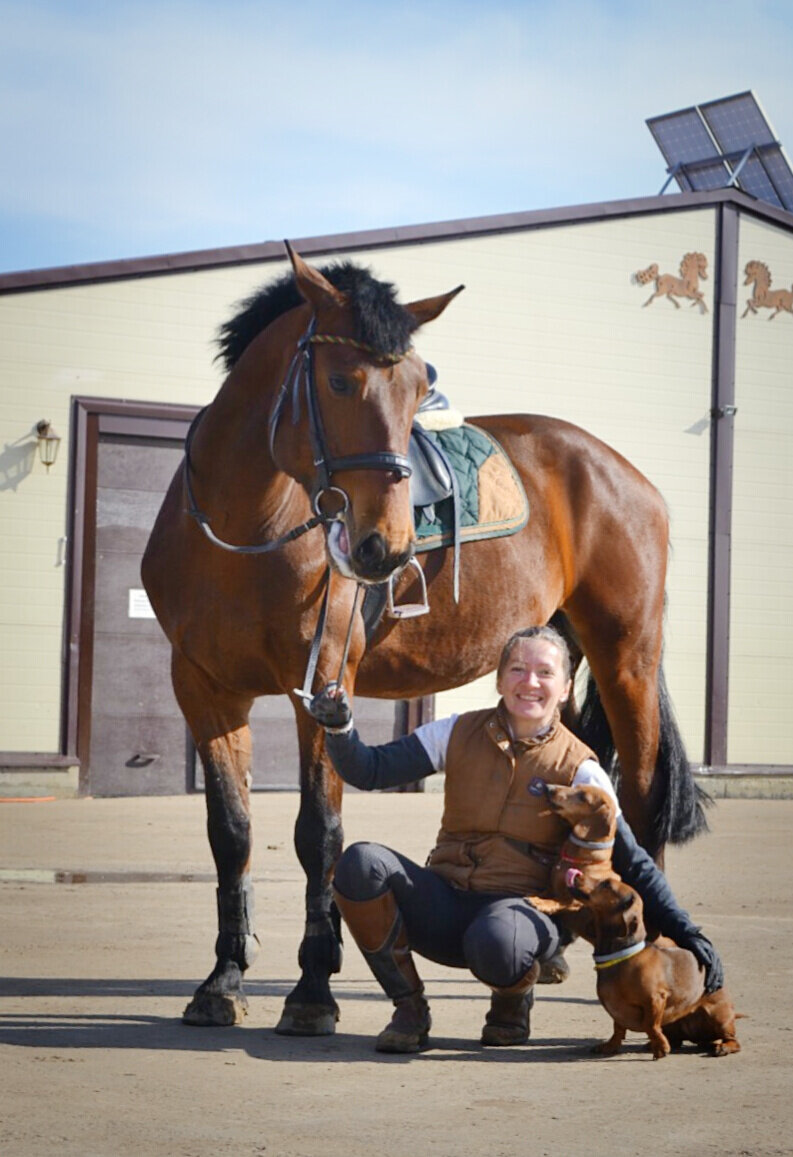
<point>300,376</point>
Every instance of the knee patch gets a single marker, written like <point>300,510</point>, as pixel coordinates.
<point>491,954</point>
<point>362,873</point>
<point>503,943</point>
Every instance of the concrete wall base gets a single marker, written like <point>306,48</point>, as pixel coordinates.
<point>39,782</point>
<point>747,786</point>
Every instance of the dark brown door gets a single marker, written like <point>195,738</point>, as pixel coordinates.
<point>138,735</point>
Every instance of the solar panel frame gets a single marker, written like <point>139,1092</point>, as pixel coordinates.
<point>705,146</point>
<point>754,179</point>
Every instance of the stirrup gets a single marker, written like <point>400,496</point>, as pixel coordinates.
<point>408,610</point>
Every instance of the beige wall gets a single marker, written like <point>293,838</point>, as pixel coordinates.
<point>761,623</point>
<point>550,322</point>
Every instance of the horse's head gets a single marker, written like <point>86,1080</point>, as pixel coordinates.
<point>695,263</point>
<point>366,383</point>
<point>756,270</point>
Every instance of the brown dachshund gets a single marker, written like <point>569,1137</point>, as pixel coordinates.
<point>654,988</point>
<point>585,856</point>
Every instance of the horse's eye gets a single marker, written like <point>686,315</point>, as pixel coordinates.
<point>341,385</point>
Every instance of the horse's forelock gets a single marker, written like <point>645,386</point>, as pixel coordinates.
<point>379,320</point>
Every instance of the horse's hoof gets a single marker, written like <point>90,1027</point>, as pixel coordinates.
<point>307,1020</point>
<point>209,1010</point>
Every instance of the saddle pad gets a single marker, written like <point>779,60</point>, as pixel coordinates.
<point>492,501</point>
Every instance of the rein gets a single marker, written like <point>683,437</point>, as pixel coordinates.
<point>203,521</point>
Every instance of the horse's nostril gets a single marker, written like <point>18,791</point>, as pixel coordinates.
<point>372,551</point>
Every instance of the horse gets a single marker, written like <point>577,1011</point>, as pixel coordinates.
<point>762,294</point>
<point>692,267</point>
<point>294,491</point>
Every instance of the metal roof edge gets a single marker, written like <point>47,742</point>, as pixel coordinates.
<point>201,259</point>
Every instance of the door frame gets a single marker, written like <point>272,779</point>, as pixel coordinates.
<point>90,419</point>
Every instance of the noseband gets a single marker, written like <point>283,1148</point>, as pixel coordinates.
<point>301,377</point>
<point>301,374</point>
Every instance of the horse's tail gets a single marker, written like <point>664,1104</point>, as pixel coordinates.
<point>681,811</point>
<point>643,276</point>
<point>678,801</point>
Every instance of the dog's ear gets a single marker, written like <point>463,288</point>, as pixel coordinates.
<point>630,914</point>
<point>631,922</point>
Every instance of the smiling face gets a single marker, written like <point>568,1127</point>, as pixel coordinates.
<point>533,683</point>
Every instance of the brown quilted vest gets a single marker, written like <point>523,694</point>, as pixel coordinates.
<point>497,834</point>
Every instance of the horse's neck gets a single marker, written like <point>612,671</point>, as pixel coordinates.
<point>234,473</point>
<point>762,284</point>
<point>691,277</point>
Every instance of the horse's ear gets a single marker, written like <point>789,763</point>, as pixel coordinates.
<point>431,307</point>
<point>315,288</point>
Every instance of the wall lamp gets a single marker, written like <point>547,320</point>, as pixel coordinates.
<point>49,442</point>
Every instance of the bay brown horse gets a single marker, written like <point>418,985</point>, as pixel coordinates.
<point>310,431</point>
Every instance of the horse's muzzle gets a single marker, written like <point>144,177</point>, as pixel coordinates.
<point>372,560</point>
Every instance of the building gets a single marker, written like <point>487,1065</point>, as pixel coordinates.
<point>559,316</point>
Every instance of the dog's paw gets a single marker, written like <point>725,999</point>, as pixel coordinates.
<point>722,1048</point>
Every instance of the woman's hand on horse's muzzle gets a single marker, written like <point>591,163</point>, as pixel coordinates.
<point>331,708</point>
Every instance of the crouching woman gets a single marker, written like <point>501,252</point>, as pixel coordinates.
<point>470,907</point>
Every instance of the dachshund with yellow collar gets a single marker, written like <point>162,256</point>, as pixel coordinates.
<point>654,988</point>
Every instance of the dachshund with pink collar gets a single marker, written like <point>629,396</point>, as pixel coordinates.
<point>585,855</point>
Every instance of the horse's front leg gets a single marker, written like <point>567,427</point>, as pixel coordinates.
<point>310,1009</point>
<point>219,724</point>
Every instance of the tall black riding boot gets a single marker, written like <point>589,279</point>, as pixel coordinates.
<point>508,1021</point>
<point>378,929</point>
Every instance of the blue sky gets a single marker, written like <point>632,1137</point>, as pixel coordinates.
<point>135,127</point>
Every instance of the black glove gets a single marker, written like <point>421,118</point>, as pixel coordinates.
<point>708,957</point>
<point>331,708</point>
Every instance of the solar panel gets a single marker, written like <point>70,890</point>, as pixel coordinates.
<point>737,122</point>
<point>778,169</point>
<point>683,136</point>
<point>725,142</point>
<point>684,139</point>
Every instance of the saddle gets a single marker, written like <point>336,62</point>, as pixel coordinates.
<point>463,488</point>
<point>433,478</point>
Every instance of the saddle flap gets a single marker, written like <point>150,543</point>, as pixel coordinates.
<point>431,480</point>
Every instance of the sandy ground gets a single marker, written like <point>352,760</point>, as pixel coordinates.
<point>94,1061</point>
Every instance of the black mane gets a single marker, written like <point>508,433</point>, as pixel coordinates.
<point>380,321</point>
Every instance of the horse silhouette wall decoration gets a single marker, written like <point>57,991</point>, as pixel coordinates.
<point>763,296</point>
<point>295,491</point>
<point>693,267</point>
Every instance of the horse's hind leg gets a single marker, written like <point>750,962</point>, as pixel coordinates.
<point>624,659</point>
<point>310,1009</point>
<point>219,724</point>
